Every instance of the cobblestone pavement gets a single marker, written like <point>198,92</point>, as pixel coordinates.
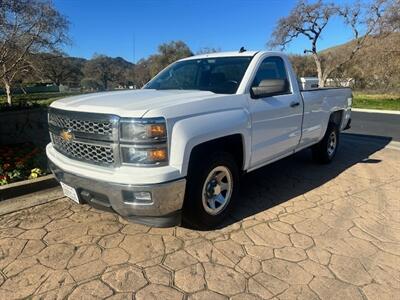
<point>300,230</point>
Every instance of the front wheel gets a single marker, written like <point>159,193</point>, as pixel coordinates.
<point>212,188</point>
<point>326,149</point>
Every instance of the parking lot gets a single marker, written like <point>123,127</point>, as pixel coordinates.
<point>300,230</point>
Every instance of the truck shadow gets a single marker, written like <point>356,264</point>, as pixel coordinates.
<point>298,174</point>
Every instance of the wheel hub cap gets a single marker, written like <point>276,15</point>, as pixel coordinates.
<point>217,190</point>
<point>212,187</point>
<point>332,143</point>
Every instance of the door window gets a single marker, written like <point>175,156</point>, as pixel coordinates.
<point>272,67</point>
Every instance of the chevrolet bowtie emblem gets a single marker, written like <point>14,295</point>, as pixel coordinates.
<point>66,135</point>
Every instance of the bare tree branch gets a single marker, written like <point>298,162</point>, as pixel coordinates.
<point>27,27</point>
<point>310,19</point>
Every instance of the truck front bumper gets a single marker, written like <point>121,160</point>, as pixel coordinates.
<point>154,204</point>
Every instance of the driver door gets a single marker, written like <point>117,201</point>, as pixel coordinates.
<point>276,120</point>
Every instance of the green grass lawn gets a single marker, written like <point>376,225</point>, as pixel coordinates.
<point>376,101</point>
<point>24,101</point>
<point>36,98</point>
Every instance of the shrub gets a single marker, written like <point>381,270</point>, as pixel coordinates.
<point>20,162</point>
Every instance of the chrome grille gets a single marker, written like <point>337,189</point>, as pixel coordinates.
<point>99,154</point>
<point>85,126</point>
<point>88,137</point>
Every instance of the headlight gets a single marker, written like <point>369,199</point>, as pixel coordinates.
<point>143,130</point>
<point>144,156</point>
<point>143,141</point>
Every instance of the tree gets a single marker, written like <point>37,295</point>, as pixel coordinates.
<point>310,19</point>
<point>391,18</point>
<point>145,69</point>
<point>141,73</point>
<point>58,69</point>
<point>27,27</point>
<point>167,54</point>
<point>303,65</point>
<point>90,84</point>
<point>106,70</point>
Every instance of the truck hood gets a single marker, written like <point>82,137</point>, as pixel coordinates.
<point>130,103</point>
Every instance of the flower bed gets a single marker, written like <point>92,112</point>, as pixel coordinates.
<point>21,161</point>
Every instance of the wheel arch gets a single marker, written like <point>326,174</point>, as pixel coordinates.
<point>232,144</point>
<point>336,117</point>
<point>228,130</point>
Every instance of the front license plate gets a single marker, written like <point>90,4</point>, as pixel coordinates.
<point>70,192</point>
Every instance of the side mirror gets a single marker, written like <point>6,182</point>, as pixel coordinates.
<point>269,87</point>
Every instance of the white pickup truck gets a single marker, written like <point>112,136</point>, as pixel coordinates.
<point>178,146</point>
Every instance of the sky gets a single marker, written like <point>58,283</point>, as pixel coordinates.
<point>133,29</point>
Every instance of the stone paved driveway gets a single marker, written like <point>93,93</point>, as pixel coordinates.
<point>301,231</point>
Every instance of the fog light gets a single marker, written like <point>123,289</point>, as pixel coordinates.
<point>86,195</point>
<point>143,198</point>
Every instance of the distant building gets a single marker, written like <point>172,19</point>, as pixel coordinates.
<point>340,82</point>
<point>309,83</point>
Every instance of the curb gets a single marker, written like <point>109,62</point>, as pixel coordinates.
<point>376,111</point>
<point>24,187</point>
<point>30,200</point>
<point>393,145</point>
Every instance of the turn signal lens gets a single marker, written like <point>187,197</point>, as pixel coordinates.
<point>157,155</point>
<point>156,130</point>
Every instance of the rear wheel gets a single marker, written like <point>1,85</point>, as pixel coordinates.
<point>211,190</point>
<point>325,150</point>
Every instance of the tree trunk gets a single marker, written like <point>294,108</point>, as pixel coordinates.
<point>321,80</point>
<point>8,91</point>
<point>105,84</point>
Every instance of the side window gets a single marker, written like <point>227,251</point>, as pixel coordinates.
<point>272,67</point>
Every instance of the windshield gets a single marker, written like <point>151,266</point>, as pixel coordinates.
<point>221,75</point>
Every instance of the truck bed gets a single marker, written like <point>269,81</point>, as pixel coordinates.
<point>318,106</point>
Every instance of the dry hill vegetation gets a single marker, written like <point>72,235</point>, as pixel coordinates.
<point>375,68</point>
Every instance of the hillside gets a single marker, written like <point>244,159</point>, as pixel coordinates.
<point>375,66</point>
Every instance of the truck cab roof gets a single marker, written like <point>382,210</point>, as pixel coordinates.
<point>231,54</point>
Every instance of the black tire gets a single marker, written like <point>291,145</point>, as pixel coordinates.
<point>323,151</point>
<point>194,211</point>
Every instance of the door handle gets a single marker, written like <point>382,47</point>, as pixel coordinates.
<point>294,104</point>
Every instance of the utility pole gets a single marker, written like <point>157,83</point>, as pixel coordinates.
<point>134,61</point>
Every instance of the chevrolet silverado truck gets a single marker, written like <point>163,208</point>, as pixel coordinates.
<point>177,147</point>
